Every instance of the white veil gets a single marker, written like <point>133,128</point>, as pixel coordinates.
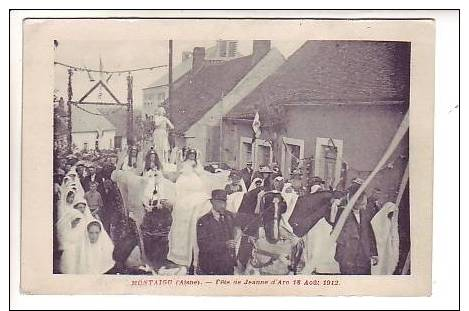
<point>95,258</point>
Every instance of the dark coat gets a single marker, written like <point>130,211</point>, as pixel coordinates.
<point>356,244</point>
<point>215,258</point>
<point>246,175</point>
<point>87,181</point>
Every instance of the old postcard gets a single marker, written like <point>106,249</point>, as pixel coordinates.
<point>190,156</point>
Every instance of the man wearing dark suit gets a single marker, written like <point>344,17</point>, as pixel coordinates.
<point>92,178</point>
<point>215,238</point>
<point>356,244</point>
<point>246,174</point>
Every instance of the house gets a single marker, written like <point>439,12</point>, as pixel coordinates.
<point>333,108</point>
<point>90,127</point>
<point>207,93</point>
<point>118,117</point>
<point>157,92</point>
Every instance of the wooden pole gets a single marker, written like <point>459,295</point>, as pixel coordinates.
<point>170,77</point>
<point>221,129</point>
<point>130,110</point>
<point>69,107</point>
<point>401,131</point>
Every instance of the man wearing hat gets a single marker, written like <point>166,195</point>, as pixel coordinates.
<point>265,173</point>
<point>275,170</point>
<point>235,183</point>
<point>356,245</point>
<point>215,238</point>
<point>246,174</point>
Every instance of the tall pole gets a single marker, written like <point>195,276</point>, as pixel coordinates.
<point>221,129</point>
<point>170,76</point>
<point>401,131</point>
<point>69,107</point>
<point>130,110</point>
<point>171,137</point>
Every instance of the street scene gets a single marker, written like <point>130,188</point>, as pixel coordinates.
<point>231,157</point>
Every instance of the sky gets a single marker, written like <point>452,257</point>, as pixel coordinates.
<point>123,55</point>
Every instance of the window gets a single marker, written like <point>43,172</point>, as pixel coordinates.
<point>245,151</point>
<point>263,152</point>
<point>222,48</point>
<point>328,159</point>
<point>232,48</point>
<point>85,146</point>
<point>292,154</point>
<point>263,155</point>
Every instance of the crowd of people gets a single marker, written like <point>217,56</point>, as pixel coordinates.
<point>155,210</point>
<point>134,214</point>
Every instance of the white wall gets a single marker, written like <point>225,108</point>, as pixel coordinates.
<point>151,95</point>
<point>106,141</point>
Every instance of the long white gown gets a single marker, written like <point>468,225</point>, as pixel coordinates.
<point>70,238</point>
<point>160,137</point>
<point>387,239</point>
<point>192,202</point>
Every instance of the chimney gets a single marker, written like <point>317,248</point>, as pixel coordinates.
<point>186,55</point>
<point>259,49</point>
<point>198,58</point>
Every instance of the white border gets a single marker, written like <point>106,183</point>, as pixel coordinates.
<point>445,285</point>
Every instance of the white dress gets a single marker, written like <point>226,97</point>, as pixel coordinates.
<point>160,137</point>
<point>70,238</point>
<point>192,202</point>
<point>387,240</point>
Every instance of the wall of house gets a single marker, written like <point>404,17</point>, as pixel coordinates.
<point>106,141</point>
<point>366,132</point>
<point>152,98</point>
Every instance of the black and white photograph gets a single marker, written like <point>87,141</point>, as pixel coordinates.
<point>231,157</point>
<point>166,154</point>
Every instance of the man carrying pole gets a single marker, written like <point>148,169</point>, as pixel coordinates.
<point>344,232</point>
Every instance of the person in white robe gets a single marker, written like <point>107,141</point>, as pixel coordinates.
<point>65,202</point>
<point>160,135</point>
<point>319,247</point>
<point>94,255</point>
<point>385,228</point>
<point>192,202</point>
<point>70,229</point>
<point>72,182</point>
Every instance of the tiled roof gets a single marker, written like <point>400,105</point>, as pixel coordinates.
<point>196,93</point>
<point>118,118</point>
<point>336,71</point>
